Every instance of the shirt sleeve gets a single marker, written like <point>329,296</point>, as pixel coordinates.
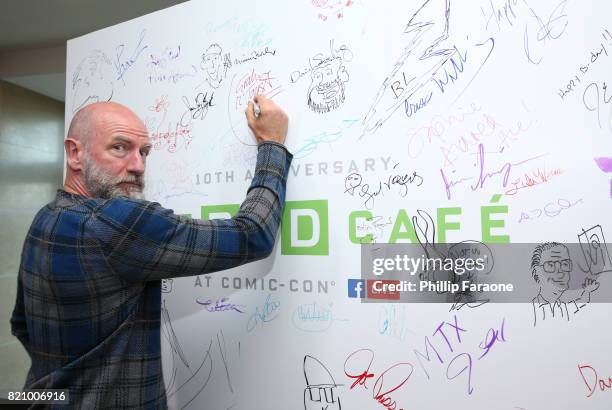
<point>142,241</point>
<point>18,319</point>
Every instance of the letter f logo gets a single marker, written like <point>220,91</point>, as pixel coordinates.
<point>356,288</point>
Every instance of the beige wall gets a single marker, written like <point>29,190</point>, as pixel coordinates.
<point>31,160</point>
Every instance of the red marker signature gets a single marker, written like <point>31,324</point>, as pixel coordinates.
<point>396,376</point>
<point>594,381</point>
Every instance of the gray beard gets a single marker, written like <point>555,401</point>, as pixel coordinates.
<point>102,185</point>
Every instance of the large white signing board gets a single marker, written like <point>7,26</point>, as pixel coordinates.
<point>487,120</point>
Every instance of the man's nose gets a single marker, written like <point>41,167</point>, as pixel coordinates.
<point>136,164</point>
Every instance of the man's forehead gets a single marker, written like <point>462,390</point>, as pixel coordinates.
<point>111,119</point>
<point>117,113</point>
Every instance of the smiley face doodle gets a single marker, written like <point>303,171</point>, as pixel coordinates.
<point>351,182</point>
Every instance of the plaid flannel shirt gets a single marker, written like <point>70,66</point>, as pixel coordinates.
<point>89,286</point>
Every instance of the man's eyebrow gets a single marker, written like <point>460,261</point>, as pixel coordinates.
<point>122,139</point>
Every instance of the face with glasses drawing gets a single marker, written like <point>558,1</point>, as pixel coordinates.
<point>553,271</point>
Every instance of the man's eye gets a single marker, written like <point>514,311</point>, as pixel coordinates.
<point>119,147</point>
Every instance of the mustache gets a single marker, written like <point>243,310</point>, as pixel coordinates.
<point>132,179</point>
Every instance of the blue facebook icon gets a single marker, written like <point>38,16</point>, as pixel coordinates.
<point>356,288</point>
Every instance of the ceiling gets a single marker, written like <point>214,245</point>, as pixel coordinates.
<point>37,24</point>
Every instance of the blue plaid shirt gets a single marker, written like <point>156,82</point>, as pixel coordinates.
<point>89,288</point>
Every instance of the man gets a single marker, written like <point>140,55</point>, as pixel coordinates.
<point>89,293</point>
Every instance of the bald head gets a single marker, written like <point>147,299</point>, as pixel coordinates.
<point>88,120</point>
<point>106,149</point>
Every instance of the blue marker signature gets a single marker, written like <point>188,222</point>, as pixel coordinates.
<point>392,322</point>
<point>311,317</point>
<point>412,109</point>
<point>322,138</point>
<point>551,29</point>
<point>121,64</point>
<point>268,313</point>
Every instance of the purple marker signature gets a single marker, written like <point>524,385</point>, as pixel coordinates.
<point>484,176</point>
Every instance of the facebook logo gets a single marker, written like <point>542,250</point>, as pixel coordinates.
<point>356,288</point>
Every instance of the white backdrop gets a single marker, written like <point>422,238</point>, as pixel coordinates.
<point>398,109</point>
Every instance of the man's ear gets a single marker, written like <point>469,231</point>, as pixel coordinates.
<point>75,151</point>
<point>535,276</point>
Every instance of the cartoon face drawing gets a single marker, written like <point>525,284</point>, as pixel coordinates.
<point>550,267</point>
<point>327,89</point>
<point>321,389</point>
<point>351,182</point>
<point>212,65</point>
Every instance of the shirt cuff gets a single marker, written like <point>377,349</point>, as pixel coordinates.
<point>278,144</point>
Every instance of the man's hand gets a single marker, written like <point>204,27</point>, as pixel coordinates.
<point>590,285</point>
<point>271,123</point>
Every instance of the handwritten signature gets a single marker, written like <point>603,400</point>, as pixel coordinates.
<point>483,174</point>
<point>220,305</point>
<point>551,29</point>
<point>199,109</point>
<point>353,183</point>
<point>326,137</point>
<point>595,99</point>
<point>550,210</point>
<point>411,108</point>
<point>396,376</point>
<point>603,384</point>
<point>123,65</point>
<point>312,317</point>
<point>540,176</point>
<point>392,323</point>
<point>267,313</point>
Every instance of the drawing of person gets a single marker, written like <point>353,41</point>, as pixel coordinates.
<point>212,65</point>
<point>326,91</point>
<point>351,182</point>
<point>319,393</point>
<point>551,267</point>
<point>91,81</point>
